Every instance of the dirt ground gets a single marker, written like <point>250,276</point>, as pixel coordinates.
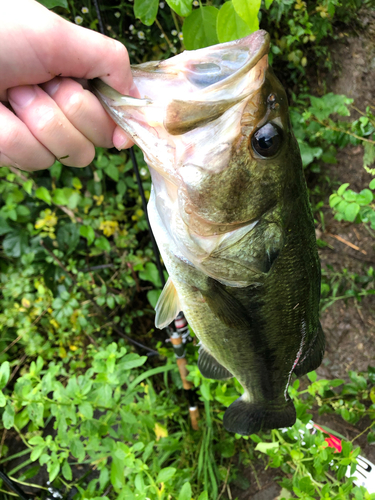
<point>349,327</point>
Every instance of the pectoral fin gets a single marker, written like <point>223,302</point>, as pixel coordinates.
<point>229,310</point>
<point>168,306</point>
<point>210,368</point>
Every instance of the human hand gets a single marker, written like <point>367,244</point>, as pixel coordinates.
<point>54,116</point>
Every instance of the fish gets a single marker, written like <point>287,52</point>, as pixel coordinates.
<point>229,210</point>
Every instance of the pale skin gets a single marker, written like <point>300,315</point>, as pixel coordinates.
<point>52,115</point>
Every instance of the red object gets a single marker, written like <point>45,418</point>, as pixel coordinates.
<point>332,441</point>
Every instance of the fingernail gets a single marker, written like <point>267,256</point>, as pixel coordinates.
<point>52,86</point>
<point>22,96</point>
<point>134,92</point>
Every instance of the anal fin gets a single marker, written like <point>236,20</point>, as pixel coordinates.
<point>210,368</point>
<point>168,306</point>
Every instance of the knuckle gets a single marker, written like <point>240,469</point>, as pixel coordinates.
<point>11,139</point>
<point>74,104</point>
<point>46,122</point>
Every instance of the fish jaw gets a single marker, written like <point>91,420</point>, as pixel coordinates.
<point>181,95</point>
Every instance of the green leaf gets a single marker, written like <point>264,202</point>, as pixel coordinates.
<point>268,3</point>
<point>199,28</point>
<point>43,194</point>
<point>16,243</point>
<point>8,416</point>
<point>146,10</point>
<point>3,400</point>
<point>365,197</point>
<point>28,186</point>
<point>182,7</point>
<point>67,471</point>
<point>77,449</point>
<point>185,493</point>
<point>248,11</point>
<point>68,237</point>
<point>131,361</point>
<point>86,409</point>
<point>342,188</point>
<point>103,244</point>
<point>229,25</point>
<point>372,184</point>
<point>35,412</point>
<point>4,374</point>
<point>151,273</point>
<point>369,155</point>
<point>264,447</point>
<point>351,211</point>
<point>112,172</point>
<point>50,4</point>
<point>88,233</point>
<point>166,474</point>
<point>203,495</point>
<point>312,376</point>
<point>4,226</point>
<point>153,297</point>
<point>61,196</point>
<point>53,468</point>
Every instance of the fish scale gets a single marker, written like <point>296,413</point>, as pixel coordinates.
<point>230,213</point>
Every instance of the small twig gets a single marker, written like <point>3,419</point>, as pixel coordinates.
<point>351,245</point>
<point>165,35</point>
<point>96,268</point>
<point>226,480</point>
<point>11,345</point>
<point>256,476</point>
<point>360,434</point>
<point>2,441</point>
<point>337,129</point>
<point>17,367</point>
<point>17,172</point>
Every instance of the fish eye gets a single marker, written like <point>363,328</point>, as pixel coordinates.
<point>267,140</point>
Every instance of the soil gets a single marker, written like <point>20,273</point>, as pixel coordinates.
<point>349,326</point>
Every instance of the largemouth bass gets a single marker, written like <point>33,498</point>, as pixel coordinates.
<point>231,216</point>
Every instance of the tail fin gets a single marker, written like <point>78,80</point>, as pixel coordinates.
<point>313,356</point>
<point>247,418</point>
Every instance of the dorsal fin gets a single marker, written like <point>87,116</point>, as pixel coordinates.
<point>168,305</point>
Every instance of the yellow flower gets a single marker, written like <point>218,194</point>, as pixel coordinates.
<point>73,347</point>
<point>109,227</point>
<point>54,323</point>
<point>99,199</point>
<point>49,220</point>
<point>26,303</point>
<point>160,431</point>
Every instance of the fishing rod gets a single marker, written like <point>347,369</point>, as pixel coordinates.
<point>178,335</point>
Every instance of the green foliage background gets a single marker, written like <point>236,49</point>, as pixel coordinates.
<point>95,415</point>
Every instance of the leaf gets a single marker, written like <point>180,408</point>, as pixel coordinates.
<point>68,237</point>
<point>50,4</point>
<point>185,493</point>
<point>86,409</point>
<point>268,3</point>
<point>146,10</point>
<point>8,416</point>
<point>151,273</point>
<point>166,474</point>
<point>153,297</point>
<point>372,184</point>
<point>77,449</point>
<point>103,244</point>
<point>365,197</point>
<point>342,188</point>
<point>16,243</point>
<point>35,412</point>
<point>112,172</point>
<point>229,25</point>
<point>204,495</point>
<point>351,211</point>
<point>248,11</point>
<point>264,447</point>
<point>4,226</point>
<point>3,400</point>
<point>53,469</point>
<point>182,7</point>
<point>67,471</point>
<point>28,186</point>
<point>199,28</point>
<point>312,376</point>
<point>368,156</point>
<point>88,233</point>
<point>130,361</point>
<point>43,194</point>
<point>4,374</point>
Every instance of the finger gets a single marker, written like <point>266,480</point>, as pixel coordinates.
<point>83,110</point>
<point>65,49</point>
<point>49,125</point>
<point>18,147</point>
<point>121,140</point>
